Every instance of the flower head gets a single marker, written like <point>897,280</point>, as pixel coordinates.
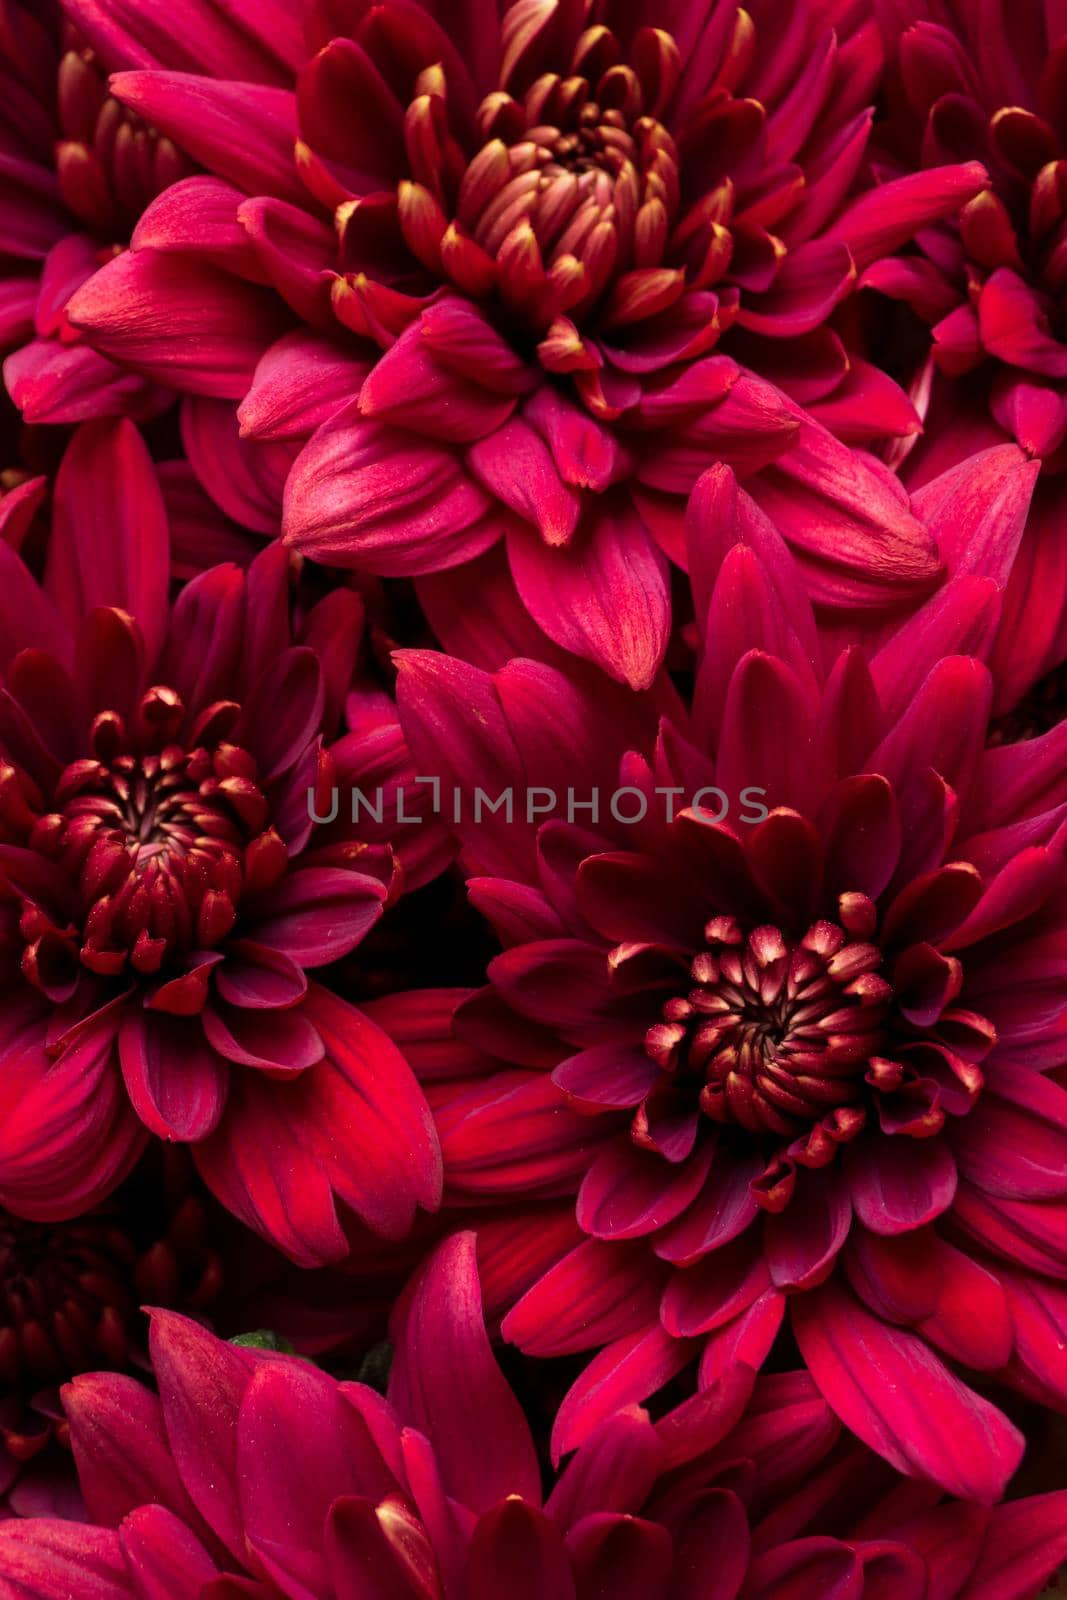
<point>81,168</point>
<point>801,1082</point>
<point>980,334</point>
<point>193,1492</point>
<point>165,885</point>
<point>516,245</point>
<point>69,1297</point>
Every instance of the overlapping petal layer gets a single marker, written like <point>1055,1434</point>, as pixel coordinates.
<point>802,1062</point>
<point>166,887</point>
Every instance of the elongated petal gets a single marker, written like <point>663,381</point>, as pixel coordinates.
<point>110,544</point>
<point>243,132</point>
<point>45,1559</point>
<point>888,1387</point>
<point>604,596</point>
<point>185,324</point>
<point>444,1374</point>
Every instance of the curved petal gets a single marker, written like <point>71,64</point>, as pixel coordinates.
<point>891,1390</point>
<point>444,1374</point>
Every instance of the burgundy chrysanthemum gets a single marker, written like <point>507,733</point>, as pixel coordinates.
<point>255,1475</point>
<point>69,1298</point>
<point>79,169</point>
<point>164,888</point>
<point>987,290</point>
<point>515,236</point>
<point>807,1065</point>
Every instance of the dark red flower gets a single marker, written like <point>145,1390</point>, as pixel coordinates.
<point>981,337</point>
<point>164,887</point>
<point>806,1064</point>
<point>255,1475</point>
<point>515,237</point>
<point>79,170</point>
<point>69,1297</point>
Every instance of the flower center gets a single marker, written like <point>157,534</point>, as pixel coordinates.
<point>65,1296</point>
<point>776,1034</point>
<point>150,842</point>
<point>110,164</point>
<point>575,182</point>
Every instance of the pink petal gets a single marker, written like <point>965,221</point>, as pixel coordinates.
<point>714,1549</point>
<point>977,511</point>
<point>629,1192</point>
<point>67,1134</point>
<point>45,1559</point>
<point>243,132</point>
<point>604,596</point>
<point>626,1557</point>
<point>889,1389</point>
<point>175,1080</point>
<point>28,619</point>
<point>254,975</point>
<point>807,1567</point>
<point>299,384</point>
<point>614,1472</point>
<point>363,494</point>
<point>598,1293</point>
<point>367,1119</point>
<point>515,1136</point>
<point>110,544</point>
<point>885,217</point>
<point>244,478</point>
<point>811,281</point>
<point>202,1381</point>
<point>960,620</point>
<point>121,1448</point>
<point>515,465</point>
<point>1026,1541</point>
<point>1014,326</point>
<point>516,1550</point>
<point>198,217</point>
<point>629,1370</point>
<point>858,543</point>
<point>278,1042</point>
<point>612,1075</point>
<point>319,914</point>
<point>259,1168</point>
<point>409,388</point>
<point>803,1241</point>
<point>186,325</point>
<point>53,382</point>
<point>300,1446</point>
<point>1014,1142</point>
<point>161,1553</point>
<point>444,1374</point>
<point>260,48</point>
<point>716,1289</point>
<point>900,1183</point>
<point>295,252</point>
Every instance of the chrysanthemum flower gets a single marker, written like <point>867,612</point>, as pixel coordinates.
<point>515,239</point>
<point>69,1298</point>
<point>991,284</point>
<point>78,171</point>
<point>255,1475</point>
<point>164,888</point>
<point>805,1066</point>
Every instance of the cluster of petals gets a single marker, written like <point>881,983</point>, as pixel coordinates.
<point>414,409</point>
<point>806,1068</point>
<point>253,1474</point>
<point>981,296</point>
<point>165,890</point>
<point>511,278</point>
